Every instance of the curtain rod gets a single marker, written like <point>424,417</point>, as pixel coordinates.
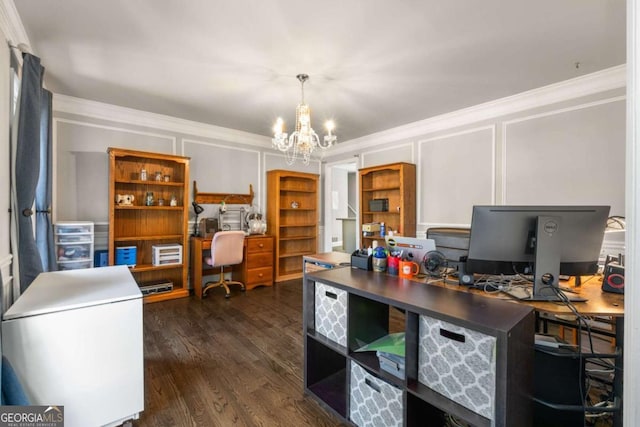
<point>22,47</point>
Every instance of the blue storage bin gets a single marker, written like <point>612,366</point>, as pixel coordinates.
<point>101,258</point>
<point>126,255</point>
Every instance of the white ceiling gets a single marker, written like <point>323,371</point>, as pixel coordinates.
<point>373,64</point>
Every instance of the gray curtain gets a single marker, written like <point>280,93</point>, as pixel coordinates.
<point>44,228</point>
<point>27,167</point>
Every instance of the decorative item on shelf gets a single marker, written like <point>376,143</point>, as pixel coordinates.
<point>125,199</point>
<point>257,224</point>
<point>294,205</point>
<point>173,201</point>
<point>160,202</point>
<point>158,176</point>
<point>198,210</point>
<point>304,140</point>
<point>167,178</point>
<point>148,200</point>
<point>143,175</point>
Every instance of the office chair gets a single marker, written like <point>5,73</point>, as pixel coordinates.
<point>226,250</point>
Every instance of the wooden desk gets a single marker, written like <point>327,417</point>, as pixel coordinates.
<point>256,268</point>
<point>598,303</point>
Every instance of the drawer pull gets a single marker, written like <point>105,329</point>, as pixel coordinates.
<point>260,275</point>
<point>261,245</point>
<point>331,295</point>
<point>373,386</point>
<point>452,335</point>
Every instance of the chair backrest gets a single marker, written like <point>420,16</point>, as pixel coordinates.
<point>226,248</point>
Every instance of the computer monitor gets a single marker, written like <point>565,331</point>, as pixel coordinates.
<point>545,241</point>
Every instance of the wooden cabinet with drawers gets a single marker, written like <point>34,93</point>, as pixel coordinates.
<point>257,268</point>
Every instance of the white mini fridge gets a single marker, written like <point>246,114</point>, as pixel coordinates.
<point>74,338</point>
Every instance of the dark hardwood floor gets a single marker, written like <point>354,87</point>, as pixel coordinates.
<point>228,362</point>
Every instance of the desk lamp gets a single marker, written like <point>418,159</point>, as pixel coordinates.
<point>198,210</point>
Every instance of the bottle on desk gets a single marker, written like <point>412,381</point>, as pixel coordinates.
<point>382,229</point>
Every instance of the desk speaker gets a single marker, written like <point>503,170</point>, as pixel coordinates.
<point>613,280</point>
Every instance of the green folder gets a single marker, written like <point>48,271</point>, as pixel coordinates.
<point>392,343</point>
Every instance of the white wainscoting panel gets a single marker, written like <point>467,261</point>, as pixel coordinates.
<point>274,160</point>
<point>219,168</point>
<point>455,172</point>
<point>569,156</point>
<point>390,153</point>
<point>81,165</point>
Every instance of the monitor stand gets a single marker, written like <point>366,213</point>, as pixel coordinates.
<point>547,264</point>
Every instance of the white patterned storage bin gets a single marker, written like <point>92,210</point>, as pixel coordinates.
<point>458,363</point>
<point>373,402</point>
<point>331,313</point>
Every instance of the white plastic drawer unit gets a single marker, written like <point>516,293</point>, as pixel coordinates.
<point>372,401</point>
<point>74,245</point>
<point>74,228</point>
<point>458,363</point>
<point>331,313</point>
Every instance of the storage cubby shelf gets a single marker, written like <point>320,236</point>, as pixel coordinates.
<point>467,322</point>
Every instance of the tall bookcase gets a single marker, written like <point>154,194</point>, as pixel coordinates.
<point>292,218</point>
<point>143,225</point>
<point>395,182</point>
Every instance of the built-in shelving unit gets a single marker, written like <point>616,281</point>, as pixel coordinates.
<point>141,224</point>
<point>292,218</point>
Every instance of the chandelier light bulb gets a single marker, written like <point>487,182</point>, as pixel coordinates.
<point>277,128</point>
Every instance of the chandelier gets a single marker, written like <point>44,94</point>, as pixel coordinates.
<point>304,140</point>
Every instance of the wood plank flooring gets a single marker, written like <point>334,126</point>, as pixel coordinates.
<point>228,362</point>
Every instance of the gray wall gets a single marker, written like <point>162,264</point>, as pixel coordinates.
<point>551,153</point>
<point>570,152</point>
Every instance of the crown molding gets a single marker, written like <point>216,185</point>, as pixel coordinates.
<point>590,84</point>
<point>611,78</point>
<point>11,24</point>
<point>130,116</point>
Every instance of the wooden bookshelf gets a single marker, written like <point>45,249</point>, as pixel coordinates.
<point>292,217</point>
<point>144,226</point>
<point>395,182</point>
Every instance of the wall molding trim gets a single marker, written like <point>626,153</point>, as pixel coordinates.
<point>505,142</point>
<point>420,221</point>
<point>11,25</point>
<point>6,261</point>
<point>114,113</point>
<point>594,83</point>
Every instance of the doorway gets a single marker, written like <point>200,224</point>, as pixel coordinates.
<point>341,206</point>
